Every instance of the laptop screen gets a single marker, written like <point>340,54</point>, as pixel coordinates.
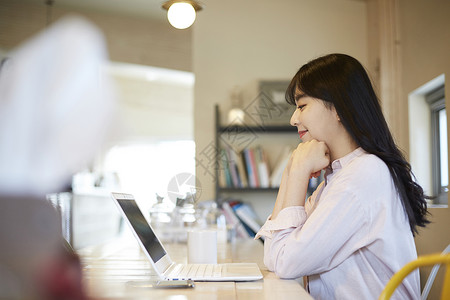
<point>142,229</point>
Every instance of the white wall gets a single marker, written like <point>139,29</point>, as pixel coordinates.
<point>155,103</point>
<point>425,44</point>
<point>134,40</point>
<point>237,43</point>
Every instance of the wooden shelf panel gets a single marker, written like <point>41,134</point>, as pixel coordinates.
<point>239,190</point>
<point>266,129</point>
<point>251,190</point>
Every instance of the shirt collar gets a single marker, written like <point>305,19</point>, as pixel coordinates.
<point>342,162</point>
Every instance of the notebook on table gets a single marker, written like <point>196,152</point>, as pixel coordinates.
<point>161,261</point>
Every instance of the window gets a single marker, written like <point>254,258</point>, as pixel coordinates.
<point>146,168</point>
<point>156,111</point>
<point>439,145</point>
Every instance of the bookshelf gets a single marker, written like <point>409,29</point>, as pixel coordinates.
<point>285,133</point>
<point>277,142</point>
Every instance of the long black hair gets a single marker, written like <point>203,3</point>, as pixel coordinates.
<point>341,81</point>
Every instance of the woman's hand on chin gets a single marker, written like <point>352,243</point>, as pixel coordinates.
<point>312,156</point>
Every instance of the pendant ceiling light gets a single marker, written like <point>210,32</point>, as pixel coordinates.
<point>49,4</point>
<point>181,13</point>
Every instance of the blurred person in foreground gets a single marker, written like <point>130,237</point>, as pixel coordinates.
<point>56,107</point>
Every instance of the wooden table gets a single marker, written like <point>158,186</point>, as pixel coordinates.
<point>110,269</point>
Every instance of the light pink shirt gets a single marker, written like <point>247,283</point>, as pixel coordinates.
<point>351,236</point>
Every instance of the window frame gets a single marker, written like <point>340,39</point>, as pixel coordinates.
<point>436,102</point>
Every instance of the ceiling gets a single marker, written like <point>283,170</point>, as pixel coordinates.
<point>149,9</point>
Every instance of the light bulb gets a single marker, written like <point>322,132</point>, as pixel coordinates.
<point>181,15</point>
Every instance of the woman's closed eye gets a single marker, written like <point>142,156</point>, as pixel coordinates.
<point>301,106</point>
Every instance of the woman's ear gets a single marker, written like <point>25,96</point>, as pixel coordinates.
<point>337,116</point>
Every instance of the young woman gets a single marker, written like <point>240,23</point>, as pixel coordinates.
<point>357,228</point>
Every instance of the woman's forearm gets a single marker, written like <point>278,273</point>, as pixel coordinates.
<point>292,192</point>
<point>296,190</point>
<point>280,196</point>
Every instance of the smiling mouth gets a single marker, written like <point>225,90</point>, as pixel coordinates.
<point>302,133</point>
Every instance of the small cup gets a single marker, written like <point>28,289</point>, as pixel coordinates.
<point>202,247</point>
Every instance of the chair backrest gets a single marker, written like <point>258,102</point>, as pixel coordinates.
<point>430,280</point>
<point>425,260</point>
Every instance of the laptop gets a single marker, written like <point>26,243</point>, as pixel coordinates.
<point>161,261</point>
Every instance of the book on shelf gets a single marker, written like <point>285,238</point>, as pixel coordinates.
<point>314,182</point>
<point>234,221</point>
<point>282,162</point>
<point>263,167</point>
<point>238,165</point>
<point>247,216</point>
<point>228,175</point>
<point>251,175</point>
<point>232,168</point>
<point>242,217</point>
<point>250,168</point>
<point>224,173</point>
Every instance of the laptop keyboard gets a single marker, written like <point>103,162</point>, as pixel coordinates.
<point>196,271</point>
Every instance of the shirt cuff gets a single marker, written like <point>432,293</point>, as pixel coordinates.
<point>292,216</point>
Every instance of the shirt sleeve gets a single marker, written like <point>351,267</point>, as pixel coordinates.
<point>289,217</point>
<point>317,242</point>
